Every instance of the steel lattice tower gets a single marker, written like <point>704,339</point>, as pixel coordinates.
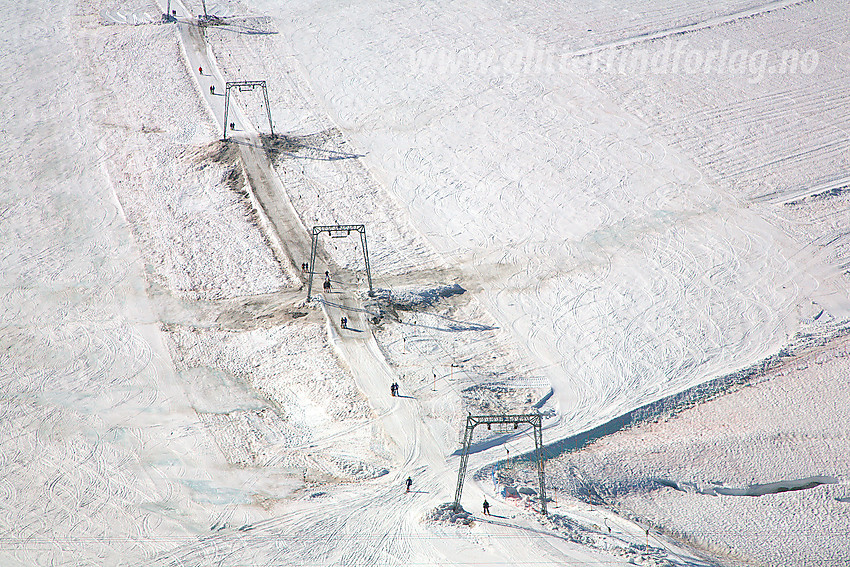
<point>474,420</point>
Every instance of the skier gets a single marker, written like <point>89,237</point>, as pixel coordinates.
<point>409,482</point>
<point>212,89</point>
<point>343,322</point>
<point>486,507</point>
<point>200,70</point>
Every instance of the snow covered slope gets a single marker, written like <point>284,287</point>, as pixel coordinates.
<point>578,198</point>
<point>559,235</point>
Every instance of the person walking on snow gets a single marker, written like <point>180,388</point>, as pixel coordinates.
<point>409,482</point>
<point>486,507</point>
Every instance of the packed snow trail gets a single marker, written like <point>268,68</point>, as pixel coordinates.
<point>401,422</point>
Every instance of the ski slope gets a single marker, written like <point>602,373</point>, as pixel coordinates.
<point>168,397</point>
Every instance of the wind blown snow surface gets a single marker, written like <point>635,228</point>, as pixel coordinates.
<point>604,212</point>
<point>613,257</point>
